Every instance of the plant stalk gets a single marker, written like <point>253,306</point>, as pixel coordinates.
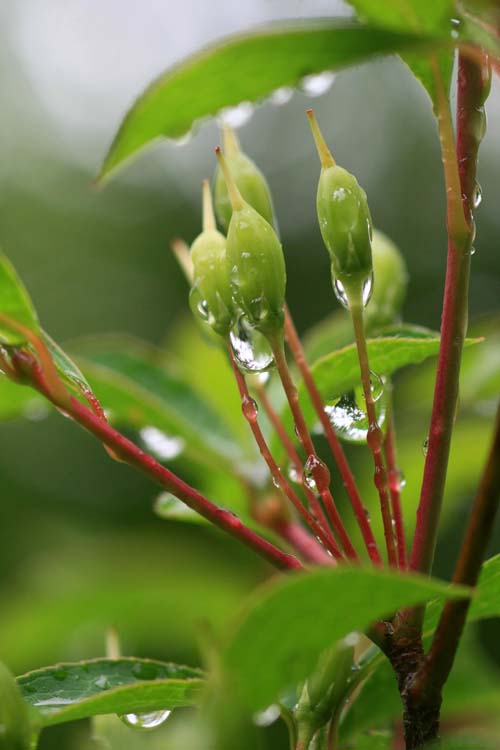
<point>320,474</point>
<point>395,486</point>
<point>359,509</point>
<point>375,435</point>
<point>134,456</point>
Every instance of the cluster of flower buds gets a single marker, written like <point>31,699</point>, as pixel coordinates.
<point>244,273</point>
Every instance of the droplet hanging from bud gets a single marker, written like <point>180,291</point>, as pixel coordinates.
<point>345,224</point>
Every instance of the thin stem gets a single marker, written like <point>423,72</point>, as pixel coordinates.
<point>250,413</point>
<point>441,656</point>
<point>302,542</point>
<point>375,436</point>
<point>134,456</point>
<point>460,176</point>
<point>289,447</point>
<point>359,509</point>
<point>319,471</point>
<point>395,486</point>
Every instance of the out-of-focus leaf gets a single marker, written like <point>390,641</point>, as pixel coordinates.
<point>141,393</point>
<point>278,641</point>
<point>472,686</point>
<point>66,692</point>
<point>480,370</point>
<point>246,68</point>
<point>479,23</point>
<point>20,401</point>
<point>170,508</point>
<point>15,303</point>
<point>416,16</point>
<point>15,730</point>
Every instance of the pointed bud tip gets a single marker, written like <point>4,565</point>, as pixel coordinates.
<point>230,140</point>
<point>324,153</point>
<point>235,197</point>
<point>208,210</point>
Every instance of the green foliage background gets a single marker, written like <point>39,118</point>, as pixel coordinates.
<point>81,548</point>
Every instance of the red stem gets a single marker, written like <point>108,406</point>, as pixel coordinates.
<point>320,472</point>
<point>294,457</point>
<point>134,456</point>
<point>250,414</point>
<point>441,657</point>
<point>375,437</point>
<point>460,174</point>
<point>300,539</point>
<point>395,488</point>
<point>333,441</point>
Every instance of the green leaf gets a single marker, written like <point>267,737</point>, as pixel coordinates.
<point>15,730</point>
<point>15,303</point>
<point>416,16</point>
<point>486,603</point>
<point>70,373</point>
<point>280,638</point>
<point>140,392</point>
<point>67,692</point>
<point>338,373</point>
<point>20,401</point>
<point>246,68</point>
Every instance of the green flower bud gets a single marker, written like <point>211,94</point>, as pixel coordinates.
<point>345,223</point>
<point>248,178</point>
<point>210,296</point>
<point>390,279</point>
<point>256,262</point>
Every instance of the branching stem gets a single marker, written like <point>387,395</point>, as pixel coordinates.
<point>359,509</point>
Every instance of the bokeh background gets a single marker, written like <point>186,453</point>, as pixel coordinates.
<point>80,547</point>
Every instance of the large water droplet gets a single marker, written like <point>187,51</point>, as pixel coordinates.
<point>237,116</point>
<point>268,716</point>
<point>349,420</point>
<point>165,447</point>
<point>317,84</point>
<point>340,293</point>
<point>250,348</point>
<point>249,408</point>
<point>316,474</point>
<point>478,195</point>
<point>281,96</point>
<point>376,385</point>
<point>150,720</point>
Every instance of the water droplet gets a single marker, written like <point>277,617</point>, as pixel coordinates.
<point>349,420</point>
<point>150,720</point>
<point>237,116</point>
<point>183,140</point>
<point>376,385</point>
<point>249,408</point>
<point>317,84</point>
<point>396,480</point>
<point>316,474</point>
<point>164,447</point>
<point>473,250</point>
<point>478,195</point>
<point>339,290</point>
<point>250,348</point>
<point>203,309</point>
<point>425,446</point>
<point>367,290</point>
<point>102,682</point>
<point>268,716</point>
<point>293,474</point>
<point>281,96</point>
<point>263,377</point>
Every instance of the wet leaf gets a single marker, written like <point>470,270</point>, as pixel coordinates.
<point>14,303</point>
<point>66,692</point>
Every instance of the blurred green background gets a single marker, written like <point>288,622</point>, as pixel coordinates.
<point>81,548</point>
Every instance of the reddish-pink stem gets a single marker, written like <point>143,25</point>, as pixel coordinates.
<point>250,414</point>
<point>301,540</point>
<point>320,472</point>
<point>460,174</point>
<point>294,457</point>
<point>134,456</point>
<point>375,436</point>
<point>333,441</point>
<point>395,489</point>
